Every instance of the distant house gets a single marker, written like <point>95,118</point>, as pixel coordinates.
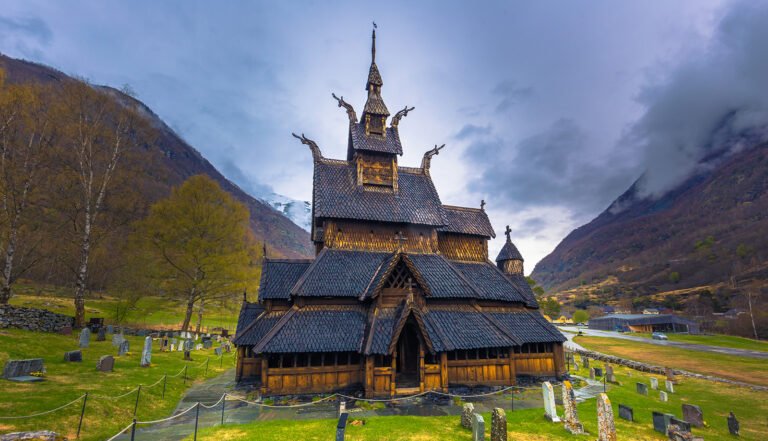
<point>607,309</point>
<point>563,320</point>
<point>651,311</point>
<point>644,323</point>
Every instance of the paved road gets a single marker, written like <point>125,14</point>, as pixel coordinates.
<point>674,344</point>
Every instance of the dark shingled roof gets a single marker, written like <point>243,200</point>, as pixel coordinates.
<point>279,276</point>
<point>248,312</point>
<point>374,143</point>
<point>253,332</point>
<point>383,329</point>
<point>320,329</point>
<point>492,284</point>
<point>467,221</point>
<point>462,327</point>
<point>374,77</point>
<point>527,326</point>
<point>509,252</point>
<point>443,280</point>
<point>337,195</point>
<point>339,273</point>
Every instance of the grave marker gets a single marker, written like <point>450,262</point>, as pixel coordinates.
<point>106,364</point>
<point>733,424</point>
<point>642,388</point>
<point>669,386</point>
<point>671,375</point>
<point>693,415</point>
<point>654,383</point>
<point>22,368</point>
<point>146,354</point>
<point>549,402</point>
<point>498,425</point>
<point>218,351</point>
<point>591,373</point>
<point>66,330</point>
<point>606,426</point>
<point>585,362</point>
<point>570,414</point>
<point>626,413</point>
<point>173,347</point>
<point>663,396</point>
<point>683,425</point>
<point>85,338</point>
<point>478,427</point>
<point>124,347</point>
<point>73,356</point>
<point>466,415</point>
<point>661,421</point>
<point>102,334</point>
<point>110,329</point>
<point>598,372</point>
<point>609,375</point>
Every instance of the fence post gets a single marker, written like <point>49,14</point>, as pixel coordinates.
<point>208,360</point>
<point>133,430</point>
<point>221,360</point>
<point>136,406</point>
<point>197,417</point>
<point>82,413</point>
<point>223,403</point>
<point>185,374</point>
<point>165,380</point>
<point>513,399</point>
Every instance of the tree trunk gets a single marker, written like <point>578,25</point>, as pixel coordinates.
<point>752,315</point>
<point>200,315</point>
<point>190,309</point>
<point>82,273</point>
<point>5,291</point>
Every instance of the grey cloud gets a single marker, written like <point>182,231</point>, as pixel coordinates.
<point>511,94</point>
<point>471,130</point>
<point>25,35</point>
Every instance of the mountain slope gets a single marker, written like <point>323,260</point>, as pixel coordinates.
<point>706,229</point>
<point>177,162</point>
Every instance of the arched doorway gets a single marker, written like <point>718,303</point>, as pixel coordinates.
<point>407,359</point>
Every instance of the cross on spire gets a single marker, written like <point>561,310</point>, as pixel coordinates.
<point>482,204</point>
<point>508,232</point>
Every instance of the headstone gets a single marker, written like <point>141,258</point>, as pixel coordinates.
<point>626,413</point>
<point>466,415</point>
<point>73,356</point>
<point>671,375</point>
<point>670,386</point>
<point>598,372</point>
<point>683,425</point>
<point>174,341</point>
<point>642,388</point>
<point>591,373</point>
<point>342,407</point>
<point>146,354</point>
<point>498,425</point>
<point>207,344</point>
<point>124,347</point>
<point>341,426</point>
<point>609,375</point>
<point>218,351</point>
<point>110,329</point>
<point>102,334</point>
<point>117,339</point>
<point>661,421</point>
<point>173,347</point>
<point>570,414</point>
<point>478,427</point>
<point>606,426</point>
<point>85,338</point>
<point>180,347</point>
<point>188,344</point>
<point>654,383</point>
<point>198,347</point>
<point>585,362</point>
<point>550,411</point>
<point>106,363</point>
<point>22,368</point>
<point>663,396</point>
<point>733,424</point>
<point>693,415</point>
<point>66,330</point>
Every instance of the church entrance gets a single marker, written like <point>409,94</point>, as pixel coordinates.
<point>407,361</point>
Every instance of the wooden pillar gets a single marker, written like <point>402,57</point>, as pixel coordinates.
<point>559,359</point>
<point>421,368</point>
<point>444,371</point>
<point>512,367</point>
<point>239,368</point>
<point>393,375</point>
<point>369,385</point>
<point>264,375</point>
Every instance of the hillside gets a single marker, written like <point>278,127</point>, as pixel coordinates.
<point>175,161</point>
<point>708,228</point>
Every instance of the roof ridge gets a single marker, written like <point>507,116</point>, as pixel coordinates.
<point>496,324</point>
<point>299,283</point>
<point>462,277</point>
<point>456,207</point>
<point>258,347</point>
<point>292,260</point>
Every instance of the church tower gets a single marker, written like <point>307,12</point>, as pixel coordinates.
<point>509,260</point>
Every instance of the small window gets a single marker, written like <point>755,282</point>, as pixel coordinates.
<point>452,355</point>
<point>316,359</point>
<point>273,361</point>
<point>342,358</point>
<point>493,353</point>
<point>302,360</point>
<point>354,358</point>
<point>430,358</point>
<point>383,361</point>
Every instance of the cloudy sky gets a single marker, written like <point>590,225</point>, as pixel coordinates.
<point>549,110</point>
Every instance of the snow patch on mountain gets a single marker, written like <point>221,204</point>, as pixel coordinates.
<point>299,212</point>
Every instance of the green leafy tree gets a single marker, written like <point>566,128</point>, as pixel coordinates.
<point>196,246</point>
<point>674,277</point>
<point>550,307</point>
<point>580,316</point>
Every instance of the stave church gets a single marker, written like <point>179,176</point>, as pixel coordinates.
<point>401,296</point>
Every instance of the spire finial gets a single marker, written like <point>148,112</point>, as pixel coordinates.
<point>482,204</point>
<point>508,232</point>
<point>373,44</point>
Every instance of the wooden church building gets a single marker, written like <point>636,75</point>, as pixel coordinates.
<point>401,296</point>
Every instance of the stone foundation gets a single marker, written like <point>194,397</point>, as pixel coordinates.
<point>32,319</point>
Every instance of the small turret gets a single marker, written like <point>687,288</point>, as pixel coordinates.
<point>509,260</point>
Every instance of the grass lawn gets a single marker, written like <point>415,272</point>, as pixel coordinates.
<point>152,312</point>
<point>748,370</point>
<point>715,399</point>
<point>726,341</point>
<point>67,381</point>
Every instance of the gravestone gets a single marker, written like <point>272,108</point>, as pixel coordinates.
<point>180,347</point>
<point>117,339</point>
<point>642,388</point>
<point>110,329</point>
<point>671,375</point>
<point>683,425</point>
<point>478,427</point>
<point>198,347</point>
<point>626,413</point>
<point>733,424</point>
<point>341,426</point>
<point>585,362</point>
<point>591,373</point>
<point>218,351</point>
<point>693,415</point>
<point>174,341</point>
<point>173,347</point>
<point>124,347</point>
<point>85,338</point>
<point>598,372</point>
<point>22,368</point>
<point>188,344</point>
<point>228,347</point>
<point>466,415</point>
<point>66,330</point>
<point>106,364</point>
<point>73,356</point>
<point>661,421</point>
<point>146,354</point>
<point>164,343</point>
<point>609,375</point>
<point>207,344</point>
<point>663,396</point>
<point>570,413</point>
<point>498,425</point>
<point>550,411</point>
<point>102,334</point>
<point>669,386</point>
<point>654,383</point>
<point>606,426</point>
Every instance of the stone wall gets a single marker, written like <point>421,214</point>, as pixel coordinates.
<point>33,319</point>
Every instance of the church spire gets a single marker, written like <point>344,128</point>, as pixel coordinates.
<point>375,112</point>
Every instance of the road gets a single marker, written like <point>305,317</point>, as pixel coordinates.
<point>674,344</point>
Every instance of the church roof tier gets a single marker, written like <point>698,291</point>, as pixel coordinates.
<point>337,195</point>
<point>388,144</point>
<point>528,326</point>
<point>467,221</point>
<point>337,273</point>
<point>463,327</point>
<point>279,276</point>
<point>317,329</point>
<point>251,332</point>
<point>509,252</point>
<point>491,284</point>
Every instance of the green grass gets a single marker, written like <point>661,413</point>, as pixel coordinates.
<point>748,370</point>
<point>726,341</point>
<point>150,311</point>
<point>67,381</point>
<point>715,399</point>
